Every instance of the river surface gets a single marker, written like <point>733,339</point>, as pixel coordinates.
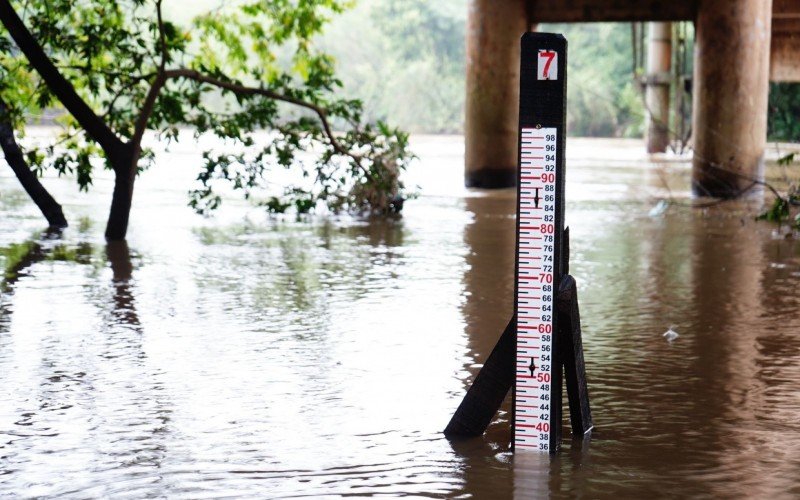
<point>246,356</point>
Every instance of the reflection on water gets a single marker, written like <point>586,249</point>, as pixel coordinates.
<point>247,356</point>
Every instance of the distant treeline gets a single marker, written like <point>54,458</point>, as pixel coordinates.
<point>406,60</point>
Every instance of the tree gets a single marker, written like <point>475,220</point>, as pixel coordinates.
<point>16,160</point>
<point>144,72</point>
<point>11,118</point>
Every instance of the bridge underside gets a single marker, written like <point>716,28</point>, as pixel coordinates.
<point>785,53</point>
<point>587,11</point>
<point>740,46</point>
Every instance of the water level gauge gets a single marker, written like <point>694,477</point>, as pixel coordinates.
<point>540,227</point>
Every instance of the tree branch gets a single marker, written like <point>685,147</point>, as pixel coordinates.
<point>155,88</point>
<point>147,109</point>
<point>752,180</point>
<point>245,90</point>
<point>95,127</point>
<point>162,39</point>
<point>16,160</point>
<point>107,74</point>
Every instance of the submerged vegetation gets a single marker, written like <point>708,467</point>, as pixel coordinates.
<point>784,208</point>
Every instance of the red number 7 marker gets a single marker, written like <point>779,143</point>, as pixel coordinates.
<point>548,65</point>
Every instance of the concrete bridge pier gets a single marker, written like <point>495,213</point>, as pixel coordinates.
<point>731,86</point>
<point>493,32</point>
<point>659,59</point>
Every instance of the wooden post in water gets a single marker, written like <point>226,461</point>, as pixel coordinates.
<point>657,86</point>
<point>731,75</point>
<point>493,31</point>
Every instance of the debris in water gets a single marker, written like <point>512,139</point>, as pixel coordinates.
<point>671,334</point>
<point>659,209</point>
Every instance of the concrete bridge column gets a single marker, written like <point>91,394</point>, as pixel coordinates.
<point>493,32</point>
<point>731,74</point>
<point>659,59</point>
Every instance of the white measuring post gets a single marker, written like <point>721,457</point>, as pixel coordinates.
<point>540,227</point>
<point>536,265</point>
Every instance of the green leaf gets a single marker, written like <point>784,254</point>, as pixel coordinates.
<point>787,159</point>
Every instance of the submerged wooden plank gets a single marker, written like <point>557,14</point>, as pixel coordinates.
<point>487,392</point>
<point>572,357</point>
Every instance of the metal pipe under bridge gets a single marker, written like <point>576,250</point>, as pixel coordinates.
<point>740,45</point>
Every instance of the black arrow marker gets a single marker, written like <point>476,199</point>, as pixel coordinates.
<point>532,367</point>
<point>536,198</point>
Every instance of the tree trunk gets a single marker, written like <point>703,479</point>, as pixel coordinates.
<point>16,160</point>
<point>124,163</point>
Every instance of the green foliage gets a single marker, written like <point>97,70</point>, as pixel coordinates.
<point>276,206</point>
<point>786,159</point>
<point>20,91</point>
<point>780,211</point>
<point>234,73</point>
<point>784,108</point>
<point>16,257</point>
<point>13,255</point>
<point>367,183</point>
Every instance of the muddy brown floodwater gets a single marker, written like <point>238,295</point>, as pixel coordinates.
<point>243,356</point>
